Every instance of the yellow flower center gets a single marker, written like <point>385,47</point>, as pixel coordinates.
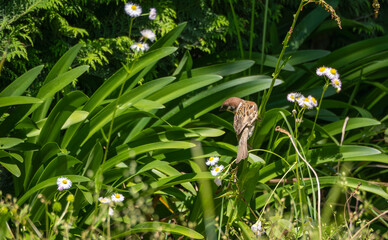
<point>139,45</point>
<point>314,100</point>
<point>211,159</point>
<point>333,71</point>
<point>292,97</point>
<point>322,69</point>
<point>64,181</point>
<point>217,169</point>
<point>336,82</point>
<point>133,7</point>
<point>306,99</point>
<point>117,195</point>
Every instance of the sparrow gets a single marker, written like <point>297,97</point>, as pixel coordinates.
<point>245,115</point>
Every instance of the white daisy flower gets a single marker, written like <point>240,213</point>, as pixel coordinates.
<point>321,71</point>
<point>313,101</point>
<point>257,229</point>
<point>63,183</point>
<point>216,170</point>
<point>111,211</point>
<point>104,200</point>
<point>212,161</point>
<point>218,181</point>
<point>140,47</point>
<point>304,102</point>
<point>132,9</point>
<point>117,197</point>
<point>336,83</point>
<point>152,15</point>
<point>332,73</point>
<point>292,96</point>
<point>148,34</point>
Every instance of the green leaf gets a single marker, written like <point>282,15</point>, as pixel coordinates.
<point>49,183</point>
<point>353,123</point>
<point>20,85</point>
<point>76,117</point>
<point>132,152</point>
<point>161,227</point>
<point>18,100</point>
<point>308,24</point>
<point>8,142</point>
<point>182,87</point>
<point>126,101</point>
<point>60,67</point>
<point>7,160</point>
<point>303,56</point>
<point>223,69</point>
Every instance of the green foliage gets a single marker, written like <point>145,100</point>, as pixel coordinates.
<point>145,131</point>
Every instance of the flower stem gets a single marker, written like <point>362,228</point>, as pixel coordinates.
<point>279,66</point>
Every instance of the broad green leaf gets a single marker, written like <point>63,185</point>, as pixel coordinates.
<point>49,183</point>
<point>148,105</point>
<point>182,87</point>
<point>223,69</point>
<point>308,24</point>
<point>330,181</point>
<point>353,123</point>
<point>20,85</point>
<point>122,75</point>
<point>303,56</point>
<point>59,115</point>
<point>179,179</point>
<point>7,160</point>
<point>18,100</point>
<point>76,117</point>
<point>161,227</point>
<point>126,101</point>
<point>61,66</point>
<point>343,58</point>
<point>132,152</point>
<point>9,142</point>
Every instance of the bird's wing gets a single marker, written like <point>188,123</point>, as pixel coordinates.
<point>246,115</point>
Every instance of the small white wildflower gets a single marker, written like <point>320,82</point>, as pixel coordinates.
<point>321,71</point>
<point>140,47</point>
<point>216,170</point>
<point>218,181</point>
<point>332,73</point>
<point>212,161</point>
<point>117,197</point>
<point>304,102</point>
<point>132,9</point>
<point>336,83</point>
<point>63,183</point>
<point>104,200</point>
<point>148,34</point>
<point>110,211</point>
<point>313,101</point>
<point>152,15</point>
<point>291,97</point>
<point>257,229</point>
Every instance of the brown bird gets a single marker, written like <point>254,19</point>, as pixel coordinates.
<point>245,115</point>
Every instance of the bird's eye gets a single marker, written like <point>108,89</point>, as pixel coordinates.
<point>230,108</point>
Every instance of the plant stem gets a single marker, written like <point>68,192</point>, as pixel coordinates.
<point>237,29</point>
<point>264,36</point>
<point>312,135</point>
<point>279,67</point>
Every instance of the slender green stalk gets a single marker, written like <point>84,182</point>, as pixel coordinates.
<point>279,67</point>
<point>252,28</point>
<point>264,36</point>
<point>312,135</point>
<point>237,29</point>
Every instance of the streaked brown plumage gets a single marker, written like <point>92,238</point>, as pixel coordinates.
<point>244,122</point>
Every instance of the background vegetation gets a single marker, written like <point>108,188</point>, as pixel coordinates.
<point>76,101</point>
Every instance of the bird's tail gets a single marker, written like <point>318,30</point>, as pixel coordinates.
<point>243,146</point>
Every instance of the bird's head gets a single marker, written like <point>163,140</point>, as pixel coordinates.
<point>231,104</point>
